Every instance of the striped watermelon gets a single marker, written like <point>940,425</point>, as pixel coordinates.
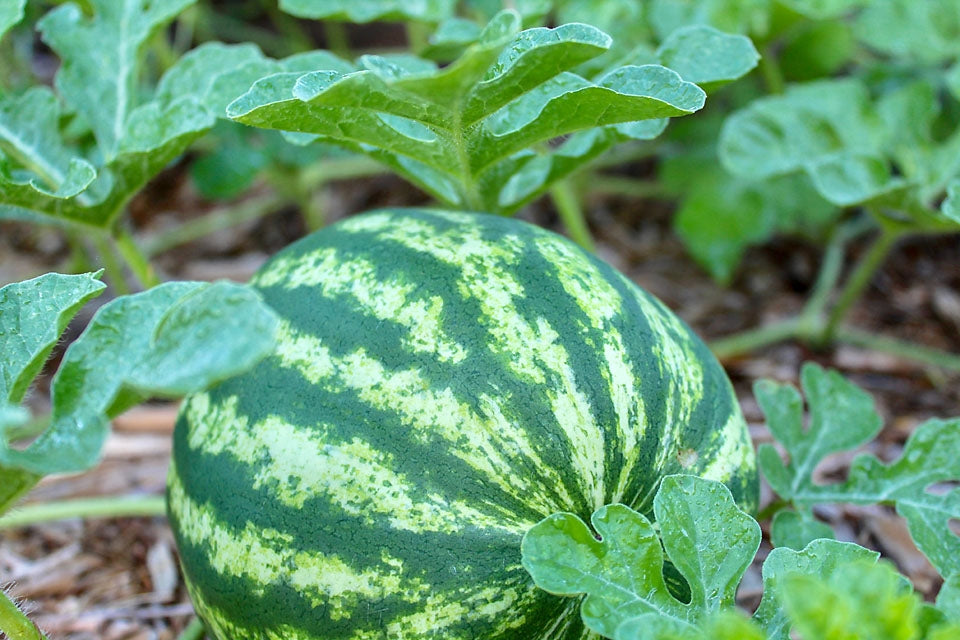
<point>443,381</point>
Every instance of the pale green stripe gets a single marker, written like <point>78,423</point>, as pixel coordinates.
<point>735,455</point>
<point>331,275</point>
<point>681,368</point>
<point>263,558</point>
<point>487,276</point>
<point>500,604</point>
<point>487,442</point>
<point>296,463</point>
<point>602,304</point>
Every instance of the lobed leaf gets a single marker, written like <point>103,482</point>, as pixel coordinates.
<point>951,206</point>
<point>175,338</point>
<point>841,418</point>
<point>819,559</point>
<point>370,10</point>
<point>828,129</point>
<point>101,57</point>
<point>725,625</point>
<point>705,535</point>
<point>863,599</point>
<point>464,131</point>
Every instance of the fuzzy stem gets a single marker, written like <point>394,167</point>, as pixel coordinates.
<point>194,631</point>
<point>136,259</point>
<point>900,348</point>
<point>15,624</point>
<point>215,220</point>
<point>337,38</point>
<point>104,507</point>
<point>747,341</point>
<point>112,265</point>
<point>623,186</point>
<point>568,207</point>
<point>859,280</point>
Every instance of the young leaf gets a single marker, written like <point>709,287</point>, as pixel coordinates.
<point>706,536</point>
<point>842,418</point>
<point>471,124</point>
<point>862,599</point>
<point>35,313</point>
<point>370,10</point>
<point>820,558</point>
<point>174,338</point>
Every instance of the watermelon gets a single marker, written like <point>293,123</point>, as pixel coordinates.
<point>442,381</point>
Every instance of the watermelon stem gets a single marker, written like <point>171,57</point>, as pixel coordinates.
<point>567,203</point>
<point>194,631</point>
<point>14,623</point>
<point>102,507</point>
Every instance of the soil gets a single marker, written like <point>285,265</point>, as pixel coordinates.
<point>117,579</point>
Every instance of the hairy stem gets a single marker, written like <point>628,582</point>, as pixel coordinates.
<point>194,631</point>
<point>623,186</point>
<point>111,263</point>
<point>136,259</point>
<point>212,221</point>
<point>568,207</point>
<point>752,339</point>
<point>337,38</point>
<point>900,348</point>
<point>104,507</point>
<point>15,624</point>
<point>859,280</point>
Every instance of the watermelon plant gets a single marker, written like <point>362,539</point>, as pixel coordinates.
<point>815,588</point>
<point>175,339</point>
<point>441,382</point>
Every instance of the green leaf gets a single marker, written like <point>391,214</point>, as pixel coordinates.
<point>42,179</point>
<point>707,538</point>
<point>842,418</point>
<point>370,10</point>
<point>35,313</point>
<point>951,206</point>
<point>11,12</point>
<point>824,9</point>
<point>820,558</point>
<point>948,600</point>
<point>708,57</point>
<point>101,57</point>
<point>927,32</point>
<point>725,625</point>
<point>864,600</point>
<point>796,530</point>
<point>828,129</point>
<point>473,122</point>
<point>175,338</point>
<point>30,135</point>
<point>721,215</point>
<point>732,16</point>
